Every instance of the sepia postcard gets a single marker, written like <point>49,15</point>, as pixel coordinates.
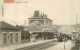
<point>39,24</point>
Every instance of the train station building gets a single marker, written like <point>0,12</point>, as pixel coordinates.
<point>40,27</point>
<point>9,34</point>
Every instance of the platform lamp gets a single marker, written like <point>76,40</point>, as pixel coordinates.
<point>64,41</point>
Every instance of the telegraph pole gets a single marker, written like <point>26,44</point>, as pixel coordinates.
<point>76,22</point>
<point>2,12</point>
<point>77,31</point>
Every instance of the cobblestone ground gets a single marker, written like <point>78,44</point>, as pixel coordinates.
<point>60,46</point>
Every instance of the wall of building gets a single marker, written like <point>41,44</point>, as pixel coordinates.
<point>32,37</point>
<point>47,22</point>
<point>42,19</point>
<point>0,38</point>
<point>8,36</point>
<point>32,20</point>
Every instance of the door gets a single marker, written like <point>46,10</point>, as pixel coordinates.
<point>16,37</point>
<point>11,37</point>
<point>4,38</point>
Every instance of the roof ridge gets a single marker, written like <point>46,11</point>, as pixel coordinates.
<point>6,25</point>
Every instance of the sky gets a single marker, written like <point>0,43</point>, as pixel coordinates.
<point>60,11</point>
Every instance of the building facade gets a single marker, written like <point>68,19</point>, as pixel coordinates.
<point>42,18</point>
<point>40,27</point>
<point>76,33</point>
<point>9,34</point>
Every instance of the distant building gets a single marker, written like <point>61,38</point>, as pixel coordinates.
<point>76,33</point>
<point>9,34</point>
<point>40,27</point>
<point>42,18</point>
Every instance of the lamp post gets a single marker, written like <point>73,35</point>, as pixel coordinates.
<point>64,42</point>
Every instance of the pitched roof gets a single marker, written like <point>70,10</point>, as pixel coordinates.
<point>36,23</point>
<point>5,25</point>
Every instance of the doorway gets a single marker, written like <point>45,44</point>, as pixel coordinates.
<point>4,38</point>
<point>11,37</point>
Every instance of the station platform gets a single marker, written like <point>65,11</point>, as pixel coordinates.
<point>17,46</point>
<point>68,46</point>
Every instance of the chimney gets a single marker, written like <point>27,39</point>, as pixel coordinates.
<point>36,13</point>
<point>45,16</point>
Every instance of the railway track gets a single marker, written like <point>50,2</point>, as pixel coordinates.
<point>40,46</point>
